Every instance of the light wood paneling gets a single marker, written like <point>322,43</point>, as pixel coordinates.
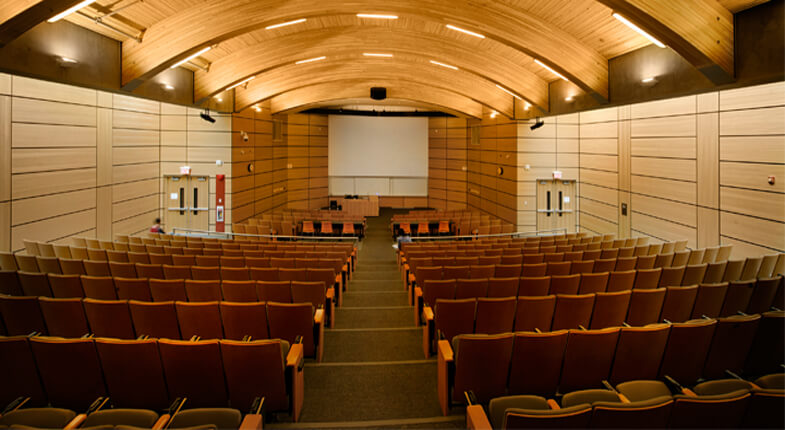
<point>46,112</point>
<point>5,149</point>
<point>36,184</point>
<point>754,203</point>
<point>53,228</point>
<point>38,208</point>
<point>753,122</point>
<point>708,162</point>
<point>754,230</point>
<point>50,136</point>
<point>683,170</point>
<point>668,107</point>
<point>767,149</point>
<point>673,126</point>
<point>665,188</point>
<point>753,97</point>
<point>664,229</point>
<point>44,90</point>
<point>678,212</point>
<point>673,147</point>
<point>752,175</point>
<point>708,227</point>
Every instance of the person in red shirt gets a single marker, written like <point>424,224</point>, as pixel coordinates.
<point>156,228</point>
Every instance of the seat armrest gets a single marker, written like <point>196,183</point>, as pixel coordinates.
<point>476,419</point>
<point>295,355</point>
<point>428,332</point>
<point>76,422</point>
<point>418,305</point>
<point>553,405</point>
<point>162,421</point>
<point>252,422</point>
<point>318,320</point>
<point>318,317</point>
<point>688,392</point>
<point>623,398</point>
<point>444,374</point>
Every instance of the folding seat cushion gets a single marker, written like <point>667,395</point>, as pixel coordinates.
<point>109,318</point>
<point>709,411</point>
<point>454,317</point>
<point>201,319</point>
<point>572,311</point>
<point>481,365</point>
<point>44,418</point>
<point>527,411</point>
<point>709,300</point>
<point>765,409</point>
<point>64,317</point>
<point>288,320</point>
<point>133,289</point>
<point>588,358</point>
<point>645,306</point>
<point>565,284</point>
<point>244,319</point>
<point>65,286</point>
<point>763,294</point>
<point>70,371</point>
<point>157,320</point>
<point>686,350</point>
<point>482,271</point>
<point>97,268</point>
<point>139,418</point>
<point>589,396</point>
<point>534,286</point>
<point>652,413</point>
<point>639,352</point>
<point>495,315</point>
<point>217,418</point>
<point>593,282</point>
<point>503,287</point>
<point>183,360</point>
<point>203,291</point>
<point>166,290</point>
<point>20,376</point>
<point>241,273</point>
<point>149,271</point>
<point>536,362</point>
<point>730,345</point>
<point>737,298</point>
<point>263,273</point>
<point>678,303</point>
<point>274,291</point>
<point>534,269</point>
<point>99,287</point>
<point>610,309</point>
<point>34,284</point>
<point>256,369</point>
<point>206,273</point>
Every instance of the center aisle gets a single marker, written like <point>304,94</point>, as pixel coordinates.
<point>373,373</point>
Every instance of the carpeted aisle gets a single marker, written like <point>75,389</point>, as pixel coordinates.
<point>373,374</point>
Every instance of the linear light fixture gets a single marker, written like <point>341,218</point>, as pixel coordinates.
<point>569,99</point>
<point>508,92</point>
<point>70,10</point>
<point>550,69</point>
<point>241,83</point>
<point>376,16</point>
<point>444,65</point>
<point>284,24</point>
<point>191,57</point>
<point>167,87</point>
<point>639,30</point>
<point>462,30</point>
<point>372,54</point>
<point>311,60</point>
<point>647,80</point>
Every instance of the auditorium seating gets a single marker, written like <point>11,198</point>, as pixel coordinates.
<point>127,319</point>
<point>562,361</point>
<point>75,372</point>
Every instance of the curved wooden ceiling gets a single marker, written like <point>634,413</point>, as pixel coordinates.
<point>574,37</point>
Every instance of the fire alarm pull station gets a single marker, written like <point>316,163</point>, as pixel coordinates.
<point>220,191</point>
<point>219,214</point>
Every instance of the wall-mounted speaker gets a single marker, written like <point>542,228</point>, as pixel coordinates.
<point>378,93</point>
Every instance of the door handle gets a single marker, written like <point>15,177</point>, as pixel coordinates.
<point>546,211</point>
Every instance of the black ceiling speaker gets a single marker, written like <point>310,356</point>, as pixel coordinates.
<point>537,124</point>
<point>378,93</point>
<point>206,116</point>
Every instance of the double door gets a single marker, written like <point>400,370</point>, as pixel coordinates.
<point>187,205</point>
<point>556,204</point>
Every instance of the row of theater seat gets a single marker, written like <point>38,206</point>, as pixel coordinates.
<point>150,373</point>
<point>724,403</point>
<point>448,318</point>
<point>128,319</point>
<point>568,360</point>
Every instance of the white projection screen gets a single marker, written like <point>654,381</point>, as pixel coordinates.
<point>386,156</point>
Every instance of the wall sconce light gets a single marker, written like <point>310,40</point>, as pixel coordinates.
<point>649,81</point>
<point>569,99</point>
<point>66,62</point>
<point>493,114</point>
<point>167,87</point>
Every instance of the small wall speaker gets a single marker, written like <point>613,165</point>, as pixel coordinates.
<point>378,93</point>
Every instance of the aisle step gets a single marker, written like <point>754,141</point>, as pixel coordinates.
<point>373,318</point>
<point>351,299</point>
<point>376,285</point>
<point>377,275</point>
<point>373,345</point>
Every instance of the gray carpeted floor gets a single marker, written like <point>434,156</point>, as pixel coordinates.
<point>374,374</point>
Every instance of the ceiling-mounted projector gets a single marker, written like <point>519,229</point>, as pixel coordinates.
<point>537,124</point>
<point>206,116</point>
<point>378,93</point>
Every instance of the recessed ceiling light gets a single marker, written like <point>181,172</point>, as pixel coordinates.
<point>545,66</point>
<point>311,60</point>
<point>372,54</point>
<point>70,10</point>
<point>493,114</point>
<point>462,30</point>
<point>527,106</point>
<point>257,108</point>
<point>68,60</point>
<point>639,30</point>
<point>647,80</point>
<point>444,65</point>
<point>376,16</point>
<point>191,57</point>
<point>508,92</point>
<point>569,99</point>
<point>241,83</point>
<point>219,99</point>
<point>284,24</point>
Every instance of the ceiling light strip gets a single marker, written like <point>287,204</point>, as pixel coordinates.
<point>376,16</point>
<point>191,57</point>
<point>639,30</point>
<point>70,10</point>
<point>241,83</point>
<point>373,54</point>
<point>284,24</point>
<point>545,66</point>
<point>311,60</point>
<point>444,65</point>
<point>508,92</point>
<point>462,30</point>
